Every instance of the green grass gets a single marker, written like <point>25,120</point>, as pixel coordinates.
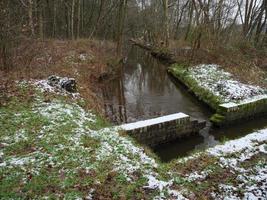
<point>49,152</point>
<point>53,150</point>
<point>45,147</point>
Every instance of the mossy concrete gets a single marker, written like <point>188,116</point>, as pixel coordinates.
<point>182,75</point>
<point>163,129</point>
<point>225,113</point>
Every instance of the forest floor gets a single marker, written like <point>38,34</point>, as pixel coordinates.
<point>245,62</point>
<point>87,61</point>
<point>51,147</point>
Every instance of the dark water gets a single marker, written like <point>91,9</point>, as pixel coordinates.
<point>144,90</point>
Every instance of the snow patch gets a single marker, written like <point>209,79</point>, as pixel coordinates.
<point>252,181</point>
<point>150,122</point>
<point>222,84</point>
<point>238,145</point>
<point>198,176</point>
<point>45,87</point>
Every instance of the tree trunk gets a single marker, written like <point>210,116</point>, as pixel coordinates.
<point>67,21</point>
<point>41,23</point>
<point>78,19</point>
<point>82,17</point>
<point>30,8</point>
<point>188,29</point>
<point>165,4</point>
<point>260,23</point>
<point>72,19</point>
<point>54,19</point>
<point>95,29</point>
<point>120,28</point>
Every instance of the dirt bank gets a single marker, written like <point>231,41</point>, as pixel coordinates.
<point>245,62</point>
<point>85,60</point>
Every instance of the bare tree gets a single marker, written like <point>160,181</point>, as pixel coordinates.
<point>30,9</point>
<point>72,18</point>
<point>165,4</point>
<point>121,19</point>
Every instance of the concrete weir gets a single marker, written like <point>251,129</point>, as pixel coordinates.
<point>229,113</point>
<point>163,129</point>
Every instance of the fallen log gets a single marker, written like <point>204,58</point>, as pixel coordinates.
<point>142,44</point>
<point>162,54</point>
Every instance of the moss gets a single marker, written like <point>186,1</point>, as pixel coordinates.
<point>223,115</point>
<point>217,118</point>
<point>242,111</point>
<point>181,73</point>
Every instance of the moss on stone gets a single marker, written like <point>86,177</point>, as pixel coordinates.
<point>217,118</point>
<point>223,114</point>
<point>182,74</point>
<point>246,110</point>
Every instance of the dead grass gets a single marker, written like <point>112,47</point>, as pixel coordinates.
<point>247,63</point>
<point>84,60</point>
<point>9,91</point>
<point>198,164</point>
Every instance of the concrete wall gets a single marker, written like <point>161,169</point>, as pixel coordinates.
<point>228,113</point>
<point>232,112</point>
<point>163,129</point>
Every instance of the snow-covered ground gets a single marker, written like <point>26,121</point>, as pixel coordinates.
<point>58,141</point>
<point>222,84</point>
<point>251,181</point>
<point>124,157</point>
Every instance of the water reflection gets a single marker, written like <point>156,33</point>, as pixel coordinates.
<point>208,137</point>
<point>144,90</point>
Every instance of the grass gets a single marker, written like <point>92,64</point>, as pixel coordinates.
<point>238,57</point>
<point>38,148</point>
<point>57,150</point>
<point>40,59</point>
<point>54,149</point>
<point>203,188</point>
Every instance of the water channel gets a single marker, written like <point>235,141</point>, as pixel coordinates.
<point>144,90</point>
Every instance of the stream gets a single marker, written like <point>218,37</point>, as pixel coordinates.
<point>143,90</point>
